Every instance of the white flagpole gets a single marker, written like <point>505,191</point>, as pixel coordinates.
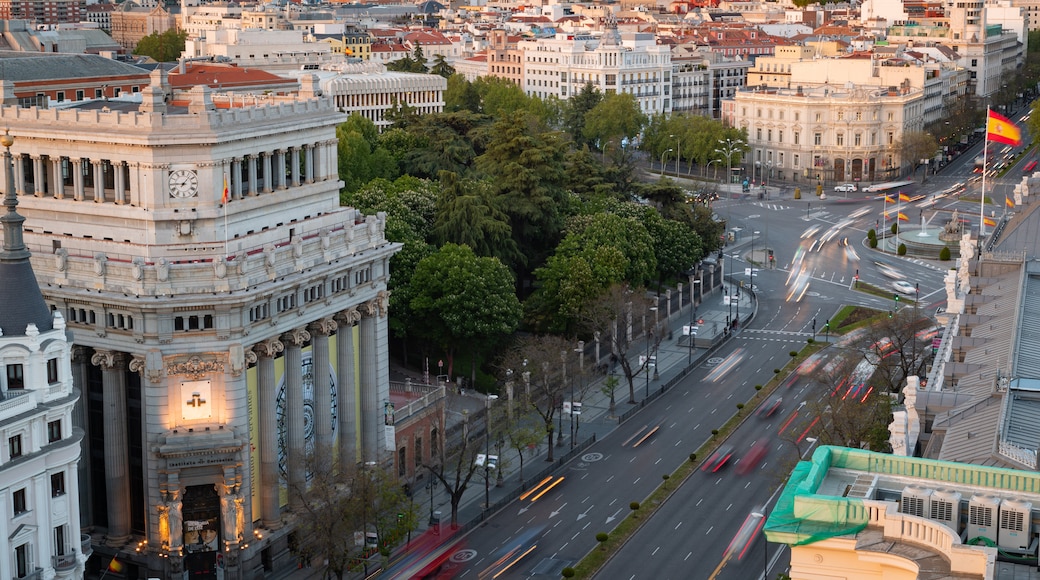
<point>884,222</point>
<point>982,201</point>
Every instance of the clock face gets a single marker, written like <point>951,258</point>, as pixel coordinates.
<point>184,183</point>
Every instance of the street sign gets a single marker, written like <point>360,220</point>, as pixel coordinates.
<point>686,330</point>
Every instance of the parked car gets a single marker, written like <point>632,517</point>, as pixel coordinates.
<point>846,187</point>
<point>904,287</point>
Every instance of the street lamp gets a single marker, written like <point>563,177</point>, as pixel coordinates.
<point>662,159</point>
<point>678,153</point>
<point>753,236</point>
<point>693,315</point>
<point>728,147</point>
<point>581,373</point>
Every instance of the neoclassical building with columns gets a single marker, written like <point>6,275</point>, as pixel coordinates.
<point>228,314</point>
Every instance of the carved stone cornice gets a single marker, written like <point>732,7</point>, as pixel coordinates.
<point>296,337</point>
<point>108,360</point>
<point>348,317</point>
<point>268,348</point>
<point>324,327</point>
<point>195,367</point>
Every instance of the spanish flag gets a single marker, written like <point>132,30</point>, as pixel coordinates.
<point>1000,129</point>
<point>1009,202</point>
<point>115,566</point>
<point>989,222</point>
<point>225,197</point>
<point>903,196</point>
<point>888,199</point>
<point>902,217</point>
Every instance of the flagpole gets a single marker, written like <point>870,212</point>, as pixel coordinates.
<point>884,222</point>
<point>985,161</point>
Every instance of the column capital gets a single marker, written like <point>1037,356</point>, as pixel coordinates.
<point>296,337</point>
<point>377,306</point>
<point>324,327</point>
<point>80,354</point>
<point>108,360</point>
<point>348,317</point>
<point>268,348</point>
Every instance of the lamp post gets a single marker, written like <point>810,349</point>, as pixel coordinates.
<point>728,147</point>
<point>559,432</point>
<point>753,236</point>
<point>656,330</point>
<point>678,153</point>
<point>663,155</point>
<point>487,454</point>
<point>693,315</point>
<point>581,373</point>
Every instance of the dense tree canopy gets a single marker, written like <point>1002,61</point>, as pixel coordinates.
<point>162,46</point>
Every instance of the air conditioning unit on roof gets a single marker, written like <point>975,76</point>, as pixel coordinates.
<point>945,507</point>
<point>915,501</point>
<point>982,517</point>
<point>1015,529</point>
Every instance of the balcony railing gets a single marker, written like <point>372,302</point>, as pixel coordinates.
<point>85,547</point>
<point>36,574</point>
<point>64,562</point>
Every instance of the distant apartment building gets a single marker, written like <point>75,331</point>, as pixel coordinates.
<point>100,14</point>
<point>131,23</point>
<point>38,79</point>
<point>702,79</point>
<point>43,11</point>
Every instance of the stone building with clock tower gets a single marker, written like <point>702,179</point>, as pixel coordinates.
<point>228,314</point>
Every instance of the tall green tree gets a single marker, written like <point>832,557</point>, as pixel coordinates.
<point>500,97</point>
<point>360,157</point>
<point>461,95</point>
<point>525,165</point>
<point>677,247</point>
<point>462,301</point>
<point>444,143</point>
<point>162,46</point>
<point>441,67</point>
<point>574,112</point>
<point>467,215</point>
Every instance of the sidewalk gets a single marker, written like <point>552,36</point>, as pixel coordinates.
<point>675,359</point>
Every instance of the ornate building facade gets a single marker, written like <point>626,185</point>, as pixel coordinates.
<point>229,315</point>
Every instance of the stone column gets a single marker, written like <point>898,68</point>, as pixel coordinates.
<point>39,180</point>
<point>58,189</point>
<point>251,168</point>
<point>19,173</point>
<point>294,165</point>
<point>78,192</point>
<point>308,159</point>
<point>295,450</point>
<point>99,181</point>
<point>235,181</point>
<point>279,168</point>
<point>346,387</point>
<point>375,376</point>
<point>119,182</point>
<point>320,331</point>
<point>117,477</point>
<point>270,506</point>
<point>265,158</point>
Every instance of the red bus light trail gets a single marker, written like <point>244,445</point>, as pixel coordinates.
<point>864,399</point>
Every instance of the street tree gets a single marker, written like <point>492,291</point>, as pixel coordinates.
<point>676,246</point>
<point>574,111</point>
<point>460,300</point>
<point>545,377</point>
<point>336,504</point>
<point>441,67</point>
<point>617,118</point>
<point>455,462</point>
<point>611,318</point>
<point>916,146</point>
<point>360,157</point>
<point>461,95</point>
<point>892,346</point>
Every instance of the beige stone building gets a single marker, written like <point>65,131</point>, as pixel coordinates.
<point>228,314</point>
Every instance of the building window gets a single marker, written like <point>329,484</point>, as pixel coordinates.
<point>857,139</point>
<point>797,116</point>
<point>780,162</point>
<point>817,138</point>
<point>418,451</point>
<point>758,134</point>
<point>819,117</point>
<point>22,563</point>
<point>840,139</point>
<point>780,136</point>
<point>57,484</point>
<point>52,370</point>
<point>14,445</point>
<point>402,455</point>
<point>18,501</point>
<point>797,162</point>
<point>891,138</point>
<point>797,138</point>
<point>15,377</point>
<point>890,116</point>
<point>79,95</point>
<point>769,135</point>
<point>54,431</point>
<point>841,115</point>
<point>60,96</point>
<point>59,541</point>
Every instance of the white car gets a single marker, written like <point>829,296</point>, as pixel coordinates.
<point>904,287</point>
<point>846,187</point>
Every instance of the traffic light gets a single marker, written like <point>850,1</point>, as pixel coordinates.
<point>827,324</point>
<point>895,297</point>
